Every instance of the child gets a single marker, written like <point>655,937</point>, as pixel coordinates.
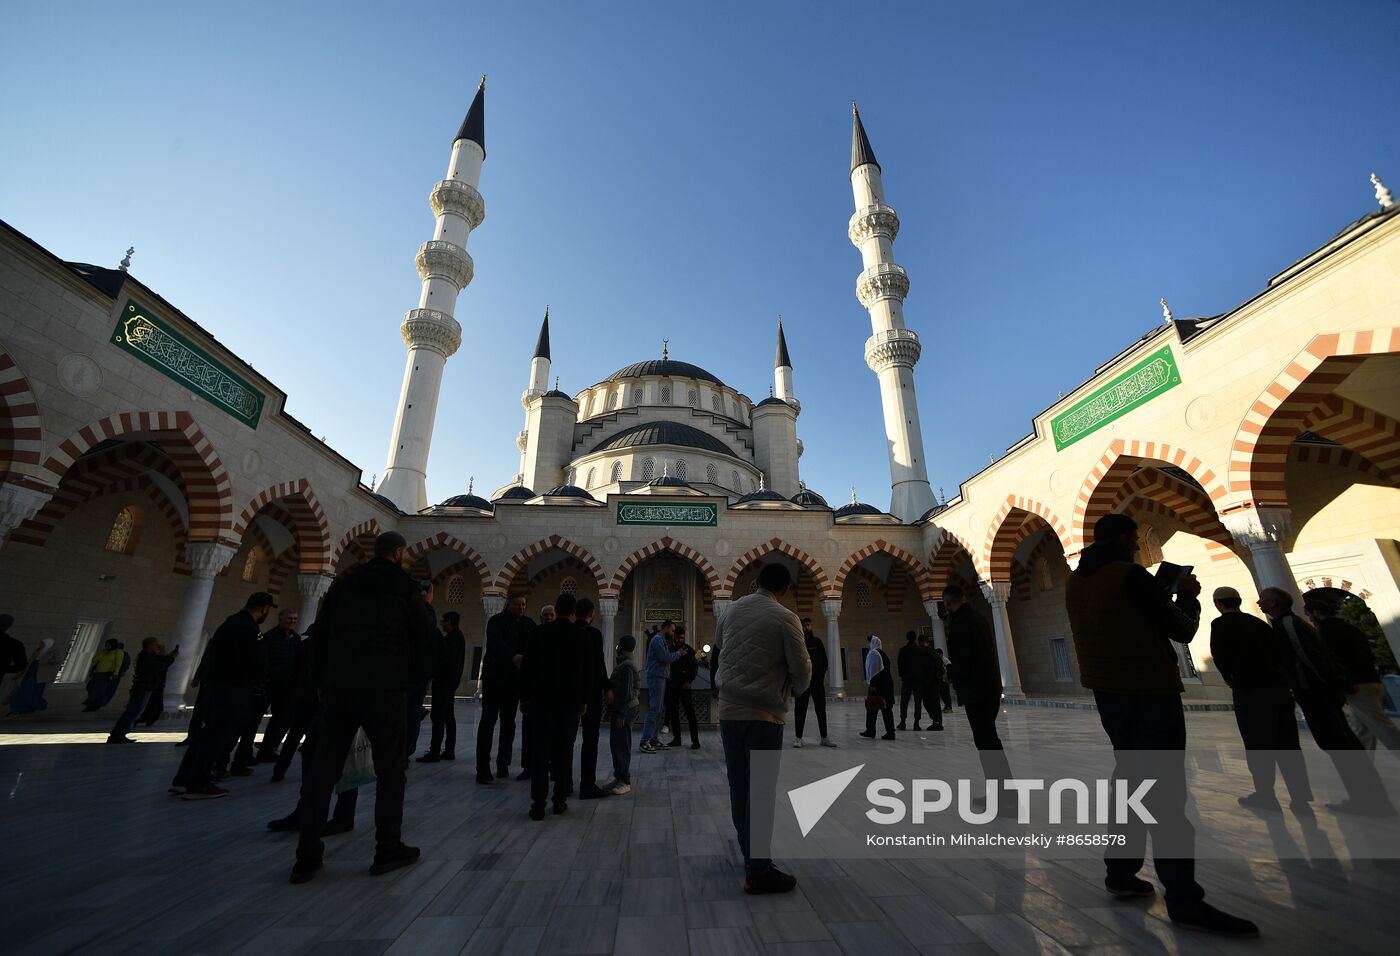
<point>626,690</point>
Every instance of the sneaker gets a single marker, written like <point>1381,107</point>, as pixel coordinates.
<point>175,789</point>
<point>1205,917</point>
<point>772,880</point>
<point>386,861</point>
<point>537,813</point>
<point>1131,887</point>
<point>334,827</point>
<point>695,745</point>
<point>1259,801</point>
<point>647,748</point>
<point>207,792</point>
<point>868,736</point>
<point>889,736</point>
<point>429,757</point>
<point>485,778</point>
<point>798,743</point>
<point>305,871</point>
<point>621,789</point>
<point>828,742</point>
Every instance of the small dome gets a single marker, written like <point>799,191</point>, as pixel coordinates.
<point>666,481</point>
<point>468,501</point>
<point>516,493</point>
<point>857,508</point>
<point>770,400</point>
<point>665,433</point>
<point>761,495</point>
<point>384,501</point>
<point>555,393</point>
<point>808,498</point>
<point>930,513</point>
<point>568,491</point>
<point>663,367</point>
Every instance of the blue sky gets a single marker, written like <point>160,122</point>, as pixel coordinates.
<point>680,171</point>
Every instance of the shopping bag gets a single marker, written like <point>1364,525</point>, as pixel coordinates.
<point>359,766</point>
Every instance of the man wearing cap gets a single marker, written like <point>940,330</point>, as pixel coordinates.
<point>377,624</point>
<point>234,667</point>
<point>1246,654</point>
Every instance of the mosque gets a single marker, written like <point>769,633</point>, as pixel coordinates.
<point>150,478</point>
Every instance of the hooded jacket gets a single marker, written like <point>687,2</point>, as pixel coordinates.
<point>1124,623</point>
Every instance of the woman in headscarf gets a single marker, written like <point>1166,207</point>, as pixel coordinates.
<point>43,666</point>
<point>880,692</point>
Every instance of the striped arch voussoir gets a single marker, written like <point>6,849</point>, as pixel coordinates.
<point>707,570</point>
<point>451,543</point>
<point>1178,500</point>
<point>21,431</point>
<point>1115,465</point>
<point>779,546</point>
<point>922,579</point>
<point>1005,534</point>
<point>308,522</point>
<point>1259,453</point>
<point>944,558</point>
<point>521,558</point>
<point>354,538</point>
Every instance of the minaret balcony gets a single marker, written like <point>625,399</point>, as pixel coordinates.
<point>431,329</point>
<point>877,220</point>
<point>885,280</point>
<point>453,196</point>
<point>441,259</point>
<point>896,347</point>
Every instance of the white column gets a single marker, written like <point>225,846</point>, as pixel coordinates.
<point>313,587</point>
<point>940,637</point>
<point>831,610</point>
<point>206,559</point>
<point>721,608</point>
<point>492,604</point>
<point>1262,531</point>
<point>997,594</point>
<point>17,505</point>
<point>607,619</point>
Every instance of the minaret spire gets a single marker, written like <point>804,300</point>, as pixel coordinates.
<point>782,370</point>
<point>542,343</point>
<point>893,349</point>
<point>430,331</point>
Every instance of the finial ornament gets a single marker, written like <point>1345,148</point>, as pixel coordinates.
<point>471,483</point>
<point>760,482</point>
<point>1383,195</point>
<point>556,383</point>
<point>665,468</point>
<point>942,497</point>
<point>1166,310</point>
<point>665,349</point>
<point>855,110</point>
<point>482,84</point>
<point>131,250</point>
<point>853,492</point>
<point>770,391</point>
<point>372,480</point>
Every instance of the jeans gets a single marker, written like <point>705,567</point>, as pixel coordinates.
<point>621,740</point>
<point>497,704</point>
<point>656,697</point>
<point>677,699</point>
<point>135,707</point>
<point>740,738</point>
<point>1144,722</point>
<point>816,696</point>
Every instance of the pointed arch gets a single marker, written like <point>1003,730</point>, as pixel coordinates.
<point>356,538</point>
<point>451,542</point>
<point>309,526</point>
<point>707,570</point>
<point>21,430</point>
<point>1113,468</point>
<point>1186,503</point>
<point>1260,448</point>
<point>1004,534</point>
<point>779,546</point>
<point>1373,435</point>
<point>944,559</point>
<point>206,482</point>
<point>921,576</point>
<point>521,558</point>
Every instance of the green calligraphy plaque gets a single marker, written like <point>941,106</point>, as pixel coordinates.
<point>700,514</point>
<point>1139,385</point>
<point>155,342</point>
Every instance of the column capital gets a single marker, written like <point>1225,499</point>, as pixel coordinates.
<point>931,608</point>
<point>1259,527</point>
<point>314,585</point>
<point>207,558</point>
<point>721,607</point>
<point>607,607</point>
<point>493,604</point>
<point>19,503</point>
<point>831,609</point>
<point>997,593</point>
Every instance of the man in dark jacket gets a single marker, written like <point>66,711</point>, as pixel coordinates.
<point>233,669</point>
<point>933,674</point>
<point>280,645</point>
<point>422,665</point>
<point>555,679</point>
<point>507,634</point>
<point>1124,623</point>
<point>452,658</point>
<point>977,679</point>
<point>12,656</point>
<point>910,681</point>
<point>1246,655</point>
<point>1352,649</point>
<point>597,695</point>
<point>151,665</point>
<point>306,702</point>
<point>1319,686</point>
<point>815,694</point>
<point>678,697</point>
<point>377,624</point>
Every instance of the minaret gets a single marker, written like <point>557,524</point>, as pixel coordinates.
<point>776,448</point>
<point>430,331</point>
<point>892,350</point>
<point>539,383</point>
<point>782,369</point>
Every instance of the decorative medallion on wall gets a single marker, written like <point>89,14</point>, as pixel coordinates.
<point>1057,482</point>
<point>498,542</point>
<point>722,546</point>
<point>79,375</point>
<point>1202,413</point>
<point>611,545</point>
<point>252,463</point>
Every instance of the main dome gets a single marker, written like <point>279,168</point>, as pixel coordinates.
<point>664,433</point>
<point>663,367</point>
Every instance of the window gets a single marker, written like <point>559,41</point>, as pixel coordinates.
<point>692,398</point>
<point>753,486</point>
<point>250,565</point>
<point>679,470</point>
<point>617,471</point>
<point>84,642</point>
<point>665,395</point>
<point>1185,663</point>
<point>126,528</point>
<point>1059,653</point>
<point>637,397</point>
<point>589,482</point>
<point>734,480</point>
<point>456,590</point>
<point>863,598</point>
<point>712,474</point>
<point>715,405</point>
<point>648,469</point>
<point>1149,547</point>
<point>612,401</point>
<point>568,586</point>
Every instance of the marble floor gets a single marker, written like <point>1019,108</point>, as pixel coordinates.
<point>100,860</point>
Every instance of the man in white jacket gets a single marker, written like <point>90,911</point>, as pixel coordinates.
<point>759,663</point>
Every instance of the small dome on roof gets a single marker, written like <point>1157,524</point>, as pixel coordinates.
<point>762,494</point>
<point>930,513</point>
<point>516,493</point>
<point>770,400</point>
<point>808,498</point>
<point>555,393</point>
<point>664,366</point>
<point>568,491</point>
<point>468,501</point>
<point>384,501</point>
<point>857,508</point>
<point>666,481</point>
